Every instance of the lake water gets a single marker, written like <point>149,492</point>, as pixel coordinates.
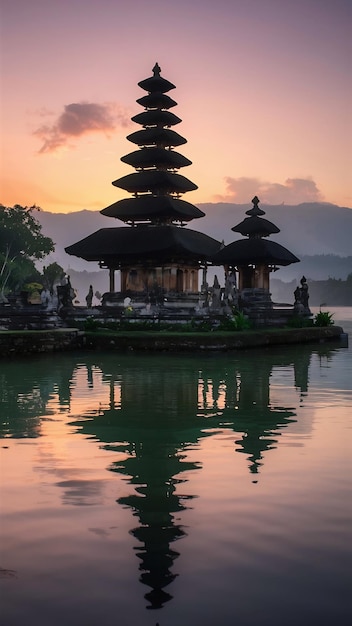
<point>210,489</point>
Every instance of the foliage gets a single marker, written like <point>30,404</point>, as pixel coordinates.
<point>52,274</point>
<point>22,271</point>
<point>33,288</point>
<point>21,243</point>
<point>236,323</point>
<point>298,321</point>
<point>323,318</point>
<point>91,324</point>
<point>239,321</point>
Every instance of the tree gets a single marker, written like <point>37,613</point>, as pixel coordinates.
<point>21,243</point>
<point>52,274</point>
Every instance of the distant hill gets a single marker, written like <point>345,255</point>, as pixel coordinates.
<point>330,292</point>
<point>306,230</point>
<point>67,228</point>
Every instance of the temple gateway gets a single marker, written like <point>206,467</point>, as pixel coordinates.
<point>162,263</point>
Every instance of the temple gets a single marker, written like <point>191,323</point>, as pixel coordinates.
<point>253,258</point>
<point>161,261</point>
<point>158,258</point>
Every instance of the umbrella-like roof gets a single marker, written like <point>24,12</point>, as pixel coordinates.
<point>114,246</point>
<point>156,82</point>
<point>253,250</point>
<point>156,101</point>
<point>255,211</point>
<point>149,207</point>
<point>156,157</point>
<point>155,181</point>
<point>156,137</point>
<point>256,227</point>
<point>156,117</point>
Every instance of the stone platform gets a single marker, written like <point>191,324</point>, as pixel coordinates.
<point>26,343</point>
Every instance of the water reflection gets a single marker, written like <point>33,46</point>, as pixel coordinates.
<point>152,418</point>
<point>26,389</point>
<point>152,412</point>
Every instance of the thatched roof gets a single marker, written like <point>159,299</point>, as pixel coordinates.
<point>156,117</point>
<point>256,226</point>
<point>156,182</point>
<point>159,157</point>
<point>114,246</point>
<point>247,251</point>
<point>164,137</point>
<point>149,207</point>
<point>156,101</point>
<point>156,83</point>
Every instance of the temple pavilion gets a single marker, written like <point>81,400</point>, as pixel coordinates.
<point>253,258</point>
<point>159,259</point>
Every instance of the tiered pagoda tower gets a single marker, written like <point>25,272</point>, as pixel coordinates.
<point>154,252</point>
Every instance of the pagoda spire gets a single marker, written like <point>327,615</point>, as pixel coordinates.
<point>156,185</point>
<point>156,69</point>
<point>255,210</point>
<point>255,226</point>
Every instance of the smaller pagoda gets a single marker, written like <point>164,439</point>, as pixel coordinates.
<point>251,260</point>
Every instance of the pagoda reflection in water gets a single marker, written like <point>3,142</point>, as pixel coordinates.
<point>152,413</point>
<point>161,410</point>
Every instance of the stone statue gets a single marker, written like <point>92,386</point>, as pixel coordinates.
<point>89,297</point>
<point>216,294</point>
<point>304,292</point>
<point>65,294</point>
<point>301,295</point>
<point>45,297</point>
<point>230,287</point>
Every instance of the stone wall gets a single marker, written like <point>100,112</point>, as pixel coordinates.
<point>16,343</point>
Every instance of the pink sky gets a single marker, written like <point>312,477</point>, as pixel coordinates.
<point>263,90</point>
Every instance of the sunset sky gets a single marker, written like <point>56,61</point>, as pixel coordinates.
<point>263,90</point>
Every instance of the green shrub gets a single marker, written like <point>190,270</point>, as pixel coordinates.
<point>299,322</point>
<point>323,318</point>
<point>91,324</point>
<point>239,321</point>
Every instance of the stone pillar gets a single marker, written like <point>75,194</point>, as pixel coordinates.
<point>204,286</point>
<point>111,280</point>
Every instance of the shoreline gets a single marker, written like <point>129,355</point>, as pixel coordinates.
<point>22,343</point>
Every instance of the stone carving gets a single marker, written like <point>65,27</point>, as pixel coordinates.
<point>216,294</point>
<point>301,295</point>
<point>89,297</point>
<point>65,294</point>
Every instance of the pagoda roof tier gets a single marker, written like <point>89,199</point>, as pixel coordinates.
<point>156,82</point>
<point>256,227</point>
<point>145,243</point>
<point>156,117</point>
<point>163,137</point>
<point>254,251</point>
<point>155,181</point>
<point>151,208</point>
<point>156,101</point>
<point>155,157</point>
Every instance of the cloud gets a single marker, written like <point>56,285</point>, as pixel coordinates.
<point>293,191</point>
<point>78,119</point>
